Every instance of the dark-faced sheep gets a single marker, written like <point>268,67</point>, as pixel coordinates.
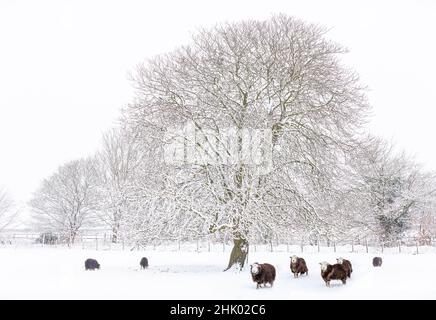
<point>347,265</point>
<point>263,273</point>
<point>91,264</point>
<point>298,266</point>
<point>377,262</point>
<point>144,263</point>
<point>333,272</point>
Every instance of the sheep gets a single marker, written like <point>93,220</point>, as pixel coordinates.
<point>298,266</point>
<point>333,272</point>
<point>144,263</point>
<point>347,265</point>
<point>377,262</point>
<point>91,264</point>
<point>263,273</point>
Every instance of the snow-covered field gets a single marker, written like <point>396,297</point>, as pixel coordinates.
<point>58,273</point>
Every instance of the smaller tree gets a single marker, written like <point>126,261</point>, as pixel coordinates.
<point>115,166</point>
<point>66,201</point>
<point>8,213</point>
<point>394,188</point>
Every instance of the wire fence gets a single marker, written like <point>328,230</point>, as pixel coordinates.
<point>104,241</point>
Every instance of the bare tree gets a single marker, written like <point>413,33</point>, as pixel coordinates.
<point>8,211</point>
<point>425,225</point>
<point>281,76</point>
<point>116,163</point>
<point>66,201</point>
<point>391,191</point>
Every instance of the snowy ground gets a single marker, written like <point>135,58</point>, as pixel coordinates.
<point>58,273</point>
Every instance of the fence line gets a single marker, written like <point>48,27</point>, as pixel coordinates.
<point>103,241</point>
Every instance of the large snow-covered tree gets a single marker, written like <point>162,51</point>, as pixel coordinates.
<point>66,201</point>
<point>274,90</point>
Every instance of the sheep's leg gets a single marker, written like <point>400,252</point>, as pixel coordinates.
<point>344,281</point>
<point>257,286</point>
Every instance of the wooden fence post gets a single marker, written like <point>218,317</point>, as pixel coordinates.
<point>334,246</point>
<point>352,245</point>
<point>366,244</point>
<point>399,246</point>
<point>417,247</point>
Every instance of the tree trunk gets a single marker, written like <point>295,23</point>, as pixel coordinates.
<point>239,254</point>
<point>116,227</point>
<point>115,234</point>
<point>240,244</point>
<point>71,237</point>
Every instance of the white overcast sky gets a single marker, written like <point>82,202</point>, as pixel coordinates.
<point>64,65</point>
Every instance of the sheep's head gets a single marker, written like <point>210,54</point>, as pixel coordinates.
<point>340,260</point>
<point>294,259</point>
<point>324,265</point>
<point>255,268</point>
